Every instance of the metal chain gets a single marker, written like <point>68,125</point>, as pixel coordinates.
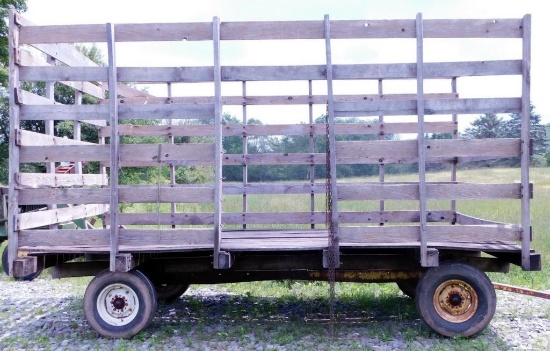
<point>330,226</point>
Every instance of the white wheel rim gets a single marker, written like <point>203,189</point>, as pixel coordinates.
<point>117,304</point>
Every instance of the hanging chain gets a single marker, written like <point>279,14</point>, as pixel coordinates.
<point>330,226</point>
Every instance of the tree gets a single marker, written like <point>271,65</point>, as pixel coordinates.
<point>488,125</point>
<point>19,5</point>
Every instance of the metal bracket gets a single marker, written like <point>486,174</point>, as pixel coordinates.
<point>326,260</point>
<point>225,260</point>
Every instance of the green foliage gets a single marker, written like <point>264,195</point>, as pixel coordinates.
<point>19,5</point>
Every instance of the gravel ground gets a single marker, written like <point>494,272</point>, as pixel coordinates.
<point>47,315</point>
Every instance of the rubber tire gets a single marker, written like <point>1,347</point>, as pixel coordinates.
<point>144,292</point>
<point>408,287</point>
<point>5,264</point>
<point>471,275</point>
<point>170,292</point>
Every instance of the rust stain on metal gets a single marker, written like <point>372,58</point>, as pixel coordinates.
<point>520,290</point>
<point>367,276</point>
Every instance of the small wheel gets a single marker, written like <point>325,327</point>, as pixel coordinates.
<point>5,265</point>
<point>456,299</point>
<point>408,287</point>
<point>120,305</point>
<point>170,292</point>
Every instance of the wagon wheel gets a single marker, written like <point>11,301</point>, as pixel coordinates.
<point>456,299</point>
<point>408,287</point>
<point>120,305</point>
<point>5,265</point>
<point>170,292</point>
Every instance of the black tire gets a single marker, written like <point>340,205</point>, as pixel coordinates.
<point>456,299</point>
<point>5,265</point>
<point>125,314</point>
<point>169,292</point>
<point>408,287</point>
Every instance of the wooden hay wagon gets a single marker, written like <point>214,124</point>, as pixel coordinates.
<point>366,230</point>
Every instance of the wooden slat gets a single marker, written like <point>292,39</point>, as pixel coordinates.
<point>438,233</point>
<point>27,138</point>
<point>274,159</point>
<point>367,71</point>
<point>368,127</point>
<point>92,33</point>
<point>432,107</point>
<point>179,111</point>
<point>127,194</point>
<point>381,151</point>
<point>37,219</point>
<point>275,99</point>
<point>464,219</point>
<point>52,180</point>
<point>24,97</point>
<point>130,239</point>
<point>63,73</point>
<point>460,191</point>
<point>27,58</point>
<point>146,153</point>
<point>64,112</point>
<point>273,188</point>
<point>282,218</point>
<point>448,28</point>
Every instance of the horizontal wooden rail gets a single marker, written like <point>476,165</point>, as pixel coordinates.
<point>368,128</point>
<point>351,29</point>
<point>40,71</point>
<point>37,219</point>
<point>52,180</point>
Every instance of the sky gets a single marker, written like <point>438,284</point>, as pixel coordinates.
<point>138,11</point>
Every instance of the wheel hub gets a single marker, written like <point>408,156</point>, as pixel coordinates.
<point>117,304</point>
<point>455,301</point>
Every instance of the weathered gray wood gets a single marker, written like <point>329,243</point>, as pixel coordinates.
<point>63,112</point>
<point>425,259</point>
<point>130,239</point>
<point>62,153</point>
<point>282,218</point>
<point>37,219</point>
<point>368,127</point>
<point>525,143</point>
<point>273,188</point>
<point>377,151</point>
<point>28,138</point>
<point>128,194</point>
<point>45,180</point>
<point>27,58</point>
<point>24,97</point>
<point>450,233</point>
<point>275,100</point>
<point>432,107</point>
<point>464,219</point>
<point>367,71</point>
<point>179,111</point>
<point>63,73</point>
<point>441,191</point>
<point>114,148</point>
<point>15,117</point>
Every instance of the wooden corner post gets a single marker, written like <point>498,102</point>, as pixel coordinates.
<point>525,145</point>
<point>428,258</point>
<point>332,189</point>
<point>114,144</point>
<point>13,204</point>
<point>222,260</point>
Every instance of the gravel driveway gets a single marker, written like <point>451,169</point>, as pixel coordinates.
<point>47,315</point>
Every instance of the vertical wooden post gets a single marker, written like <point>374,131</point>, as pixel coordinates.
<point>114,143</point>
<point>13,203</point>
<point>172,167</point>
<point>77,129</point>
<point>311,150</point>
<point>455,136</point>
<point>49,124</point>
<point>334,230</point>
<point>525,145</point>
<point>222,260</point>
<point>245,153</point>
<point>426,260</point>
<point>382,170</point>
